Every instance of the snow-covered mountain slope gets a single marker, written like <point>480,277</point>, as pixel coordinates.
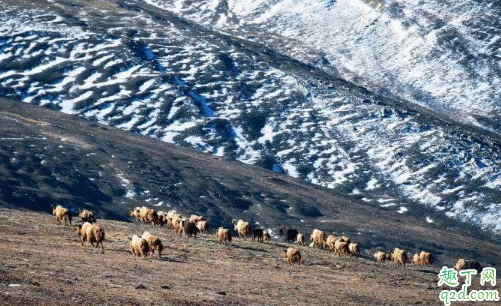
<point>443,55</point>
<point>199,74</point>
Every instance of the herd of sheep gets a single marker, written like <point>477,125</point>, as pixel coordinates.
<point>147,244</point>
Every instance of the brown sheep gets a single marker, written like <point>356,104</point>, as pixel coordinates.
<point>81,228</point>
<point>139,246</point>
<point>195,219</point>
<point>423,259</point>
<point>461,264</point>
<point>330,242</point>
<point>318,238</point>
<point>203,226</point>
<point>148,215</point>
<point>300,239</point>
<point>243,229</point>
<point>399,257</point>
<point>341,248</point>
<point>93,234</point>
<point>190,229</point>
<point>293,256</point>
<point>178,224</point>
<point>61,213</point>
<point>354,249</point>
<point>416,260</point>
<point>266,236</point>
<point>134,212</point>
<point>345,239</point>
<point>223,235</point>
<point>87,216</point>
<point>154,244</point>
<point>380,256</point>
<point>171,216</point>
<point>257,233</point>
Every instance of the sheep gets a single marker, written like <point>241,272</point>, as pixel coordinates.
<point>289,233</point>
<point>178,224</point>
<point>341,248</point>
<point>93,233</point>
<point>154,244</point>
<point>461,264</point>
<point>424,259</point>
<point>300,239</point>
<point>134,212</point>
<point>148,215</point>
<point>330,241</point>
<point>190,229</point>
<point>318,238</point>
<point>293,256</point>
<point>243,229</point>
<point>139,246</point>
<point>61,213</point>
<point>81,228</point>
<point>399,257</point>
<point>171,215</point>
<point>195,219</point>
<point>87,216</point>
<point>475,265</point>
<point>223,235</point>
<point>416,260</point>
<point>257,233</point>
<point>345,239</point>
<point>203,226</point>
<point>266,236</point>
<point>162,218</point>
<point>381,256</point>
<point>354,249</point>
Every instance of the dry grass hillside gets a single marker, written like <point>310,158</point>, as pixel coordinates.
<point>44,264</point>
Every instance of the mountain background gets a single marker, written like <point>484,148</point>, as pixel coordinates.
<point>394,104</point>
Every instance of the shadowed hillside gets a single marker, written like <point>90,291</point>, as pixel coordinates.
<point>47,157</point>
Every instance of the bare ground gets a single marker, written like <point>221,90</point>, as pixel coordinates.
<point>51,267</point>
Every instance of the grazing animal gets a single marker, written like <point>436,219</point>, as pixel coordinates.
<point>416,260</point>
<point>354,249</point>
<point>330,242</point>
<point>203,226</point>
<point>473,264</point>
<point>423,259</point>
<point>345,239</point>
<point>223,235</point>
<point>461,264</point>
<point>266,236</point>
<point>148,215</point>
<point>81,228</point>
<point>162,218</point>
<point>318,238</point>
<point>195,219</point>
<point>93,234</point>
<point>178,224</point>
<point>289,233</point>
<point>257,233</point>
<point>171,216</point>
<point>134,212</point>
<point>139,246</point>
<point>293,256</point>
<point>154,244</point>
<point>399,257</point>
<point>190,229</point>
<point>87,216</point>
<point>300,239</point>
<point>341,248</point>
<point>380,256</point>
<point>243,229</point>
<point>61,213</point>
